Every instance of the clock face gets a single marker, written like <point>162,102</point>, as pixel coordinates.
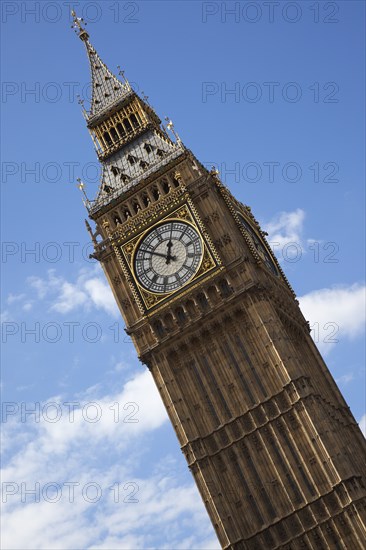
<point>168,257</point>
<point>259,246</point>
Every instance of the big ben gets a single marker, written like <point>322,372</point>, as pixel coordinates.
<point>274,450</point>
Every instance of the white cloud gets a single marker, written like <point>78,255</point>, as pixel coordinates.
<point>5,316</point>
<point>69,298</point>
<point>362,425</point>
<point>285,235</point>
<point>45,286</point>
<point>335,314</point>
<point>94,419</point>
<point>101,295</point>
<point>345,378</point>
<point>286,227</point>
<point>107,454</point>
<point>87,291</point>
<point>15,298</point>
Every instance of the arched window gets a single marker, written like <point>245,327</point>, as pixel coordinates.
<point>136,206</point>
<point>148,147</point>
<point>145,199</point>
<point>190,307</point>
<point>180,315</point>
<point>121,130</point>
<point>127,125</point>
<point>212,294</point>
<point>131,159</point>
<point>169,322</point>
<point>202,301</point>
<point>159,329</point>
<point>116,218</point>
<point>114,134</point>
<point>155,193</point>
<point>108,139</point>
<point>134,121</point>
<point>165,185</point>
<point>225,288</point>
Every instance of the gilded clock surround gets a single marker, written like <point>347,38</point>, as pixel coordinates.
<point>209,261</point>
<point>275,452</point>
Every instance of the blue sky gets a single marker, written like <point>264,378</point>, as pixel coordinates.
<point>272,96</point>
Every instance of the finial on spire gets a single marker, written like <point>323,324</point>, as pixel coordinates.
<point>106,88</point>
<point>77,25</point>
<point>145,98</point>
<point>170,126</point>
<point>121,72</point>
<point>81,186</point>
<point>81,102</point>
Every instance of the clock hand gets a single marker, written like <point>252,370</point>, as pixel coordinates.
<point>168,257</point>
<point>157,253</point>
<point>170,244</point>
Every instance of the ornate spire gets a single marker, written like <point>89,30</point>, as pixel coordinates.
<point>107,90</point>
<point>77,25</point>
<point>130,140</point>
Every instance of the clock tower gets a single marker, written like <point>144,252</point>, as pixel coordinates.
<point>273,447</point>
